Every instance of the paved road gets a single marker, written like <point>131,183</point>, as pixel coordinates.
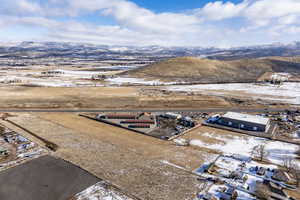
<point>146,110</point>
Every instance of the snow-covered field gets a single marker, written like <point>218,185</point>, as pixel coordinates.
<point>120,67</point>
<point>66,78</point>
<point>288,92</point>
<point>80,74</point>
<point>277,151</point>
<point>100,191</point>
<point>50,82</point>
<point>139,81</point>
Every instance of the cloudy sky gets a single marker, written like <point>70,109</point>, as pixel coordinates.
<point>152,22</point>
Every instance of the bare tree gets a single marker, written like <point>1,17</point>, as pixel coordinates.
<point>288,164</point>
<point>295,171</point>
<point>234,195</point>
<point>259,152</point>
<point>262,191</point>
<point>203,186</point>
<point>2,129</point>
<point>297,175</point>
<point>298,153</point>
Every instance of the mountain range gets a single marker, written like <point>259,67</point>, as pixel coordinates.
<point>76,50</point>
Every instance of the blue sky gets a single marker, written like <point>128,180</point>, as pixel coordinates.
<point>204,23</point>
<point>174,5</point>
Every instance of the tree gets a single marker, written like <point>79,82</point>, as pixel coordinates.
<point>2,129</point>
<point>203,186</point>
<point>288,164</point>
<point>298,153</point>
<point>259,152</point>
<point>262,191</point>
<point>234,195</point>
<point>295,171</point>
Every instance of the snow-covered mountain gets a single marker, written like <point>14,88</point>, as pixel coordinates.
<point>78,50</point>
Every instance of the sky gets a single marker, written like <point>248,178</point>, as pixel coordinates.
<point>202,23</point>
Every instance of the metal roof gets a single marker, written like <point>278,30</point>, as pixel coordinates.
<point>248,118</point>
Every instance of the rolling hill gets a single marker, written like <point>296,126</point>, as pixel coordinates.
<point>193,69</point>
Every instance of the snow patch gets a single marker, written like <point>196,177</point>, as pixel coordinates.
<point>243,146</point>
<point>171,164</point>
<point>121,81</point>
<point>290,91</point>
<point>101,191</point>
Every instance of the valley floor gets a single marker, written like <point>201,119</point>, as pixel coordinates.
<point>142,166</point>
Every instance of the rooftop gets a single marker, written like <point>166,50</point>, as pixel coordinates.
<point>246,117</point>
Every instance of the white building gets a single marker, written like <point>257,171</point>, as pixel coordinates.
<point>245,121</point>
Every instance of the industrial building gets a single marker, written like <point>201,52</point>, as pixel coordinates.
<point>116,116</point>
<point>245,121</point>
<point>138,121</point>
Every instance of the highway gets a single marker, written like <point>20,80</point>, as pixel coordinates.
<point>144,110</point>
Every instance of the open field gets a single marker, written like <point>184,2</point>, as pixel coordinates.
<point>286,93</point>
<point>146,167</point>
<point>58,76</point>
<point>100,97</point>
<point>174,97</point>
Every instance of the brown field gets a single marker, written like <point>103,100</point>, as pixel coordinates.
<point>100,97</point>
<point>146,167</point>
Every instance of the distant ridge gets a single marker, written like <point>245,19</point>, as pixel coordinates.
<point>85,50</point>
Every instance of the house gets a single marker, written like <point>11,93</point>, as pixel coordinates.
<point>171,115</point>
<point>261,171</point>
<point>272,191</point>
<point>283,176</point>
<point>207,197</point>
<point>276,192</point>
<point>229,194</point>
<point>245,121</point>
<point>3,151</point>
<point>187,122</point>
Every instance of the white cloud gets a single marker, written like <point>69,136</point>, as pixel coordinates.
<point>258,20</point>
<point>130,15</point>
<point>294,30</point>
<point>19,7</point>
<point>219,10</point>
<point>258,12</point>
<point>270,9</point>
<point>289,19</point>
